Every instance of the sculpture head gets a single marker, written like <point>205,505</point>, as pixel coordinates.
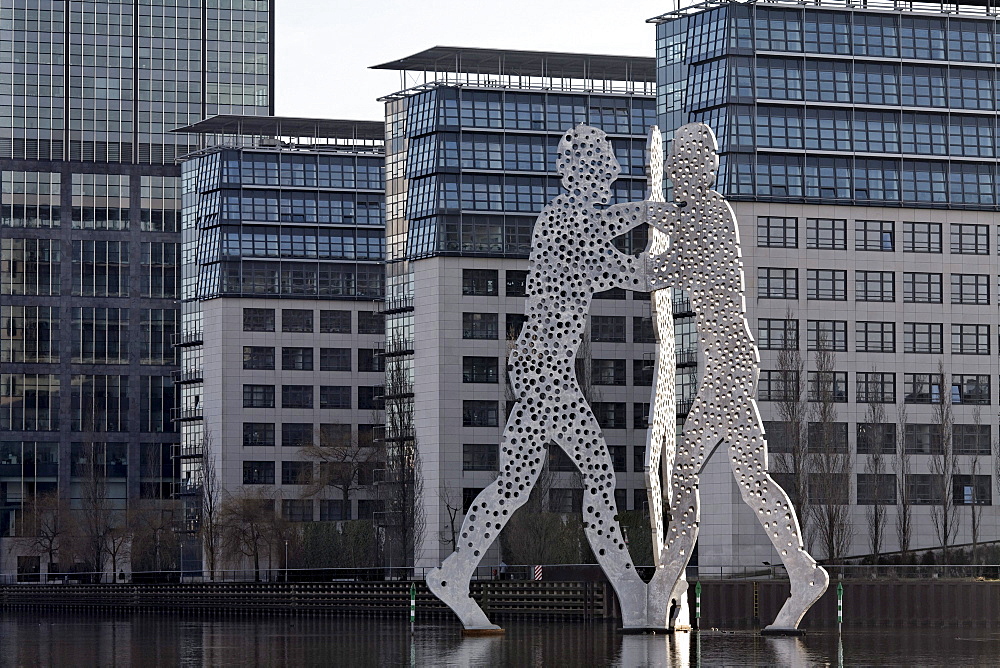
<point>587,164</point>
<point>693,161</point>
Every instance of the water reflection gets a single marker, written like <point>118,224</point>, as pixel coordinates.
<point>28,639</point>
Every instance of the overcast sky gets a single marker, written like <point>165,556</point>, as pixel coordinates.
<point>324,47</point>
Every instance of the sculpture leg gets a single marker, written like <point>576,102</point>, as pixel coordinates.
<point>776,515</point>
<point>581,439</point>
<point>521,459</point>
<point>661,438</point>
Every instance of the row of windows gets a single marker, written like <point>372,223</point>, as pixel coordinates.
<point>291,279</point>
<point>873,387</point>
<point>296,242</point>
<point>302,434</point>
<point>303,396</point>
<point>267,206</point>
<point>745,128</point>
<point>301,359</point>
<point>854,82</point>
<point>881,35</point>
<point>445,108</point>
<point>302,320</point>
<point>870,336</point>
<point>872,286</point>
<point>885,488</point>
<point>609,414</point>
<point>300,170</point>
<point>843,178</point>
<point>873,235</point>
<point>881,438</point>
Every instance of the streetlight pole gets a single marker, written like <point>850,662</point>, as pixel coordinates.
<point>286,561</point>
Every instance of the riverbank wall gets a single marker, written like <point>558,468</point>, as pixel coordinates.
<point>725,604</point>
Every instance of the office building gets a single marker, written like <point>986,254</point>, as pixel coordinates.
<point>470,161</point>
<point>281,328</point>
<point>89,230</point>
<point>858,147</point>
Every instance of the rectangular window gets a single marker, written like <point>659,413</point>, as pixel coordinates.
<point>827,437</point>
<point>826,233</point>
<point>924,489</point>
<point>516,283</point>
<point>334,359</point>
<point>826,335</point>
<point>296,434</point>
<point>826,284</point>
<point>296,359</point>
<point>876,387</point>
<point>874,235</point>
<point>643,330</point>
<point>258,473</point>
<point>607,372</point>
<point>970,289</point>
<point>776,232</point>
<point>610,414</point>
<point>607,328</point>
<point>295,510</point>
<point>922,388</point>
<point>335,434</point>
<point>923,337</point>
<point>100,268</point>
<point>875,337</point>
<point>479,457</point>
<point>334,510</point>
<point>970,239</point>
<point>619,460</point>
<point>30,402</point>
<point>369,322</point>
<point>921,288</point>
<point>777,334</point>
<point>778,386</point>
<point>640,415</point>
<point>642,372</point>
<point>296,396</point>
<point>335,396</point>
<point>969,490</point>
<point>972,389</point>
<point>480,370</point>
<point>258,434</point>
<point>875,286</point>
<point>371,397</point>
<point>371,360</point>
<point>480,325</point>
<point>876,489</point>
<point>296,320</point>
<point>258,396</point>
<point>970,339</point>
<point>777,283</point>
<point>828,386</point>
<point>478,413</point>
<point>297,473</point>
<point>336,322</point>
<point>830,488</point>
<point>780,437</point>
<point>876,438</point>
<point>480,282</point>
<point>972,439</point>
<point>922,237</point>
<point>258,320</point>
<point>922,439</point>
<point>514,322</point>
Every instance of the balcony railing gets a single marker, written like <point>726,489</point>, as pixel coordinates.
<point>188,375</point>
<point>682,307</point>
<point>687,357</point>
<point>187,413</point>
<point>397,304</point>
<point>189,338</point>
<point>400,346</point>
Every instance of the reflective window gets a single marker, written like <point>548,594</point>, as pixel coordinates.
<point>875,337</point>
<point>826,233</point>
<point>826,335</point>
<point>921,237</point>
<point>970,239</point>
<point>923,337</point>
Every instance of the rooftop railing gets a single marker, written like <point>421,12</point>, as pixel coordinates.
<point>972,8</point>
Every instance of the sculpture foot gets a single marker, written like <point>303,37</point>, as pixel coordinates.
<point>803,596</point>
<point>457,598</point>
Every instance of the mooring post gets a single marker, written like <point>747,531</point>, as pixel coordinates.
<point>840,605</point>
<point>413,605</point>
<point>697,605</point>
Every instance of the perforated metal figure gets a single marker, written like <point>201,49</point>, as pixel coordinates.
<point>572,258</point>
<point>704,259</point>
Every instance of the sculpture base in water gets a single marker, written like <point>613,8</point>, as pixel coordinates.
<point>769,631</point>
<point>492,631</point>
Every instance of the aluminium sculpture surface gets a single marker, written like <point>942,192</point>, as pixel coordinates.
<point>694,245</point>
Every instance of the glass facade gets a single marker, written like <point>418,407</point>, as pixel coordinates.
<point>905,104</point>
<point>89,211</point>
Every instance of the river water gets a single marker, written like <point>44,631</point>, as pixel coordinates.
<point>154,639</point>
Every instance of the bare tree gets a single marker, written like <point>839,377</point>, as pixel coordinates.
<point>42,525</point>
<point>453,507</point>
<point>95,514</point>
<point>831,465</point>
<point>209,527</point>
<point>534,535</point>
<point>976,509</point>
<point>155,542</point>
<point>944,467</point>
<point>902,467</point>
<point>871,441</point>
<point>792,411</point>
<point>345,464</point>
<point>118,542</point>
<point>247,526</point>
